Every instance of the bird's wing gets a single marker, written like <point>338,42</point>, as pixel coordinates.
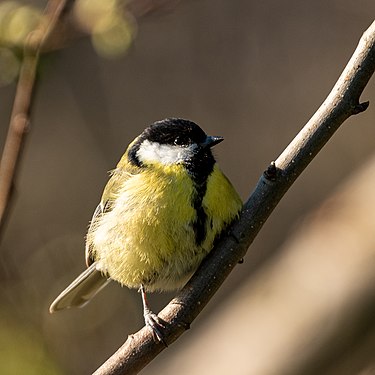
<point>110,194</point>
<point>100,209</point>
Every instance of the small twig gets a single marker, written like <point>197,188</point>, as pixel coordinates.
<point>20,117</point>
<point>342,102</point>
<point>142,8</point>
<point>137,9</point>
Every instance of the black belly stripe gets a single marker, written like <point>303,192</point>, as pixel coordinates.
<point>199,225</point>
<point>200,169</point>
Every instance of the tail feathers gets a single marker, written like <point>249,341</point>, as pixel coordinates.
<point>81,290</point>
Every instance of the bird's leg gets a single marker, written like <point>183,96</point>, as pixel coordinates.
<point>151,319</point>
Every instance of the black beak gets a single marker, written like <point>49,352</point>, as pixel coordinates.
<point>211,141</point>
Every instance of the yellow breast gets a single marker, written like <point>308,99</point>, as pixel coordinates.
<point>148,237</point>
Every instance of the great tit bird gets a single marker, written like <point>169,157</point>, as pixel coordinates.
<point>161,211</point>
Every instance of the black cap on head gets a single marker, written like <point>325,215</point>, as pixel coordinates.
<point>179,132</point>
<point>174,131</point>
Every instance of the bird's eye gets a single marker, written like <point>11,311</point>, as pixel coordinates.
<point>178,141</point>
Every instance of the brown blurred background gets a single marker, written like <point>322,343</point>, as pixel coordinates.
<point>253,72</point>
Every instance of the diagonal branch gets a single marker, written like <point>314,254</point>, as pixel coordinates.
<point>341,103</point>
<point>20,117</point>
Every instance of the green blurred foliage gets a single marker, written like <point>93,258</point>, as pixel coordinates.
<point>22,350</point>
<point>110,27</point>
<point>16,22</point>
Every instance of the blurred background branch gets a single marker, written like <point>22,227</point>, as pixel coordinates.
<point>20,116</point>
<point>342,103</point>
<point>112,27</point>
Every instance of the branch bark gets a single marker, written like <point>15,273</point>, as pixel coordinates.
<point>341,103</point>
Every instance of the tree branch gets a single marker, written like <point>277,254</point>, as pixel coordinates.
<point>20,117</point>
<point>341,103</point>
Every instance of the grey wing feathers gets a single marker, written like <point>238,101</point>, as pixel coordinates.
<point>88,251</point>
<point>81,290</point>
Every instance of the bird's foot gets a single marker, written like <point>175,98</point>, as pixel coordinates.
<point>156,324</point>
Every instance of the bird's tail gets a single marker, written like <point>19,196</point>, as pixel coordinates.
<point>81,290</point>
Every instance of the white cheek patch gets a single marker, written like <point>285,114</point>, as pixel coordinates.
<point>165,154</point>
